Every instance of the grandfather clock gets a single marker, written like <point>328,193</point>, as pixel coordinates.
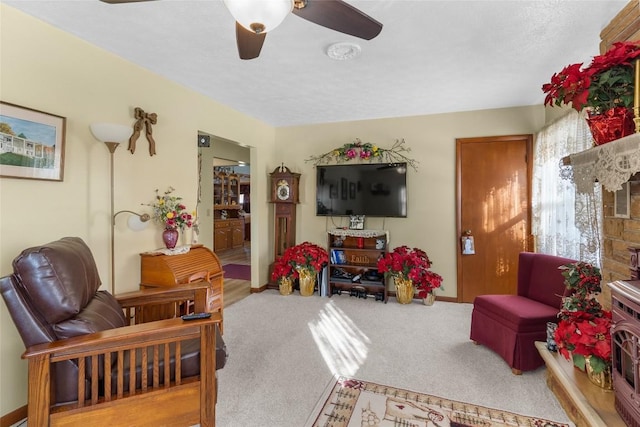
<point>284,194</point>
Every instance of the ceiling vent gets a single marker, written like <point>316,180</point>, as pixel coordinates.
<point>343,51</point>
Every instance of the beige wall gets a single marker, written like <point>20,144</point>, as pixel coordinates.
<point>430,223</point>
<point>48,70</point>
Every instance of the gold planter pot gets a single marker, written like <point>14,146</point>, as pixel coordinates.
<point>307,281</point>
<point>429,299</point>
<point>404,290</point>
<point>602,379</point>
<point>285,284</point>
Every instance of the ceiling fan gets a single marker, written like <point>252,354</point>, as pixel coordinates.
<point>255,18</point>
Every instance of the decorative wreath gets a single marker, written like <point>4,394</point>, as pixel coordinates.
<point>367,152</point>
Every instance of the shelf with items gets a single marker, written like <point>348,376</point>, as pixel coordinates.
<point>610,164</point>
<point>226,189</point>
<point>353,258</point>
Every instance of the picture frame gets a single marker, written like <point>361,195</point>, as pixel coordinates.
<point>356,222</point>
<point>468,245</point>
<point>32,143</point>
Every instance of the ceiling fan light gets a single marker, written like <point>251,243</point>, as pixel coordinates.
<point>259,15</point>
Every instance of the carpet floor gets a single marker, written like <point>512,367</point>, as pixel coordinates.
<point>350,402</point>
<point>284,350</point>
<point>237,271</point>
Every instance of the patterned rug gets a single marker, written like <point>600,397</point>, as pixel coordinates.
<point>349,403</point>
<point>237,271</point>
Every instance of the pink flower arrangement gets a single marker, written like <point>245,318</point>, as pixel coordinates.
<point>169,210</point>
<point>368,152</point>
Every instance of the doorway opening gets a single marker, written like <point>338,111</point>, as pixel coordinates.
<point>224,210</point>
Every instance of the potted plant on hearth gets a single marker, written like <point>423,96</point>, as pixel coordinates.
<point>410,269</point>
<point>584,330</point>
<point>303,261</point>
<point>605,87</point>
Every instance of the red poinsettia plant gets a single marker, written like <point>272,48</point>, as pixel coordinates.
<point>604,84</point>
<point>305,255</point>
<point>584,329</point>
<point>413,264</point>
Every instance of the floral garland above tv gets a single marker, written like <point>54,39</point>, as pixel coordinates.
<point>367,152</point>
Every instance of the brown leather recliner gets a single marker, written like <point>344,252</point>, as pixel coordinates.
<point>89,355</point>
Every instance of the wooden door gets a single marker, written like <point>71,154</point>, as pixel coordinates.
<point>494,198</point>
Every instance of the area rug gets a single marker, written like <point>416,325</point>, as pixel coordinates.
<point>237,271</point>
<point>349,402</point>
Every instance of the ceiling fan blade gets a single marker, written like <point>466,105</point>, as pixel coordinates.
<point>340,16</point>
<point>249,43</point>
<point>122,1</point>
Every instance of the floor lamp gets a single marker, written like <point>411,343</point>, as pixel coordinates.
<point>112,135</point>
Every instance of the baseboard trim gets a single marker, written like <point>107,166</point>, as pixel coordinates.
<point>14,417</point>
<point>258,290</point>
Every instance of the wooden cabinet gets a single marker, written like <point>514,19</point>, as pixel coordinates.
<point>228,224</point>
<point>237,232</point>
<point>158,269</point>
<point>228,233</point>
<point>353,258</point>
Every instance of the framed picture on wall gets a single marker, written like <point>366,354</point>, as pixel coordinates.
<point>356,222</point>
<point>31,143</point>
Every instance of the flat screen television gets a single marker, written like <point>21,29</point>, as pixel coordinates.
<point>371,189</point>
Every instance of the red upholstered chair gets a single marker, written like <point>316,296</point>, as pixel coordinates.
<point>510,324</point>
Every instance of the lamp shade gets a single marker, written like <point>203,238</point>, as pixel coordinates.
<point>259,16</point>
<point>138,222</point>
<point>108,132</point>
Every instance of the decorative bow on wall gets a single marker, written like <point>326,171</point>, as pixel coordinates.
<point>146,120</point>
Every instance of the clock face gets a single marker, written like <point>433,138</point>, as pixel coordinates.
<point>283,191</point>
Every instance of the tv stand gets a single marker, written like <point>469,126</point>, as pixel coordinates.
<point>353,258</point>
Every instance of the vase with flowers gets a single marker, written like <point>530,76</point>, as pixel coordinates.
<point>169,211</point>
<point>410,269</point>
<point>302,262</point>
<point>605,87</point>
<point>584,329</point>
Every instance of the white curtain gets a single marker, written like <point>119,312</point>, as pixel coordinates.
<point>564,222</point>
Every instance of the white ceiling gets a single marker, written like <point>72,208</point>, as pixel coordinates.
<point>431,56</point>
